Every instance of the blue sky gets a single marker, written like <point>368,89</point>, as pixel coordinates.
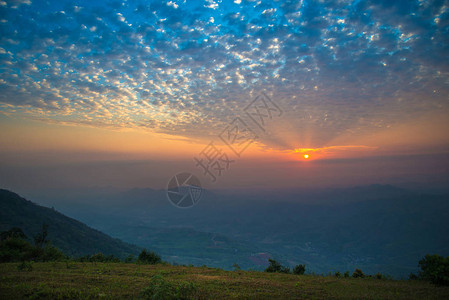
<point>342,71</point>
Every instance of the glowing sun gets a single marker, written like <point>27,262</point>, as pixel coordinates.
<point>306,156</point>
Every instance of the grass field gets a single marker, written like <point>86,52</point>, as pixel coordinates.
<point>60,280</point>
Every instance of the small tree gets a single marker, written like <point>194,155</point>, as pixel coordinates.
<point>299,269</point>
<point>276,267</point>
<point>435,268</point>
<point>358,274</point>
<point>148,257</point>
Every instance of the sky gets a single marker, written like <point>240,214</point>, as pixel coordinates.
<point>129,93</point>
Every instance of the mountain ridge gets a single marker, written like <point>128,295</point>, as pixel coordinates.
<point>71,236</point>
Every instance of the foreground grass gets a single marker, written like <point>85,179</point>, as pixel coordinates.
<point>117,280</point>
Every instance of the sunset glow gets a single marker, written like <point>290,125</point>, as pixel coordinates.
<point>157,82</point>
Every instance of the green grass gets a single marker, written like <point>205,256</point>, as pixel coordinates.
<point>118,280</point>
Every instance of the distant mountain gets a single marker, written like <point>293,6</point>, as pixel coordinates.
<point>72,237</point>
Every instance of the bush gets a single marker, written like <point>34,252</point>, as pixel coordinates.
<point>337,274</point>
<point>16,249</point>
<point>51,253</point>
<point>299,269</point>
<point>346,275</point>
<point>358,274</point>
<point>276,267</point>
<point>435,268</point>
<point>147,257</point>
<point>160,288</point>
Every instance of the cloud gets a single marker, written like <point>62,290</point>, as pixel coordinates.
<point>189,69</point>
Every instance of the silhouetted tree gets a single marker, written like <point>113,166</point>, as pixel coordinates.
<point>435,268</point>
<point>299,269</point>
<point>358,274</point>
<point>148,257</point>
<point>276,267</point>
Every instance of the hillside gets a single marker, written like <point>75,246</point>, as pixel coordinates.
<point>72,237</point>
<point>131,281</point>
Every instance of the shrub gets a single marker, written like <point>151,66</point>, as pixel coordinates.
<point>346,275</point>
<point>16,249</point>
<point>160,288</point>
<point>337,274</point>
<point>379,276</point>
<point>299,269</point>
<point>435,268</point>
<point>358,274</point>
<point>51,253</point>
<point>148,257</point>
<point>413,277</point>
<point>276,267</point>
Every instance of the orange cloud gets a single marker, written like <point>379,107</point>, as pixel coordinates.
<point>334,151</point>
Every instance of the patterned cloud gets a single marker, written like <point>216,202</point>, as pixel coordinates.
<point>189,67</point>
